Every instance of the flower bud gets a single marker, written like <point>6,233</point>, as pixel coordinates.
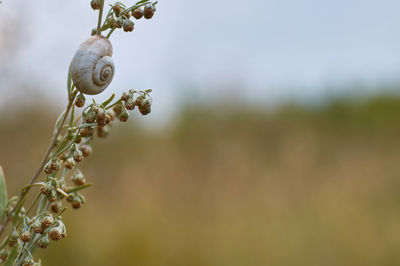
<point>119,22</point>
<point>130,104</point>
<point>47,221</point>
<point>123,117</point>
<point>26,236</point>
<point>149,10</point>
<point>86,132</point>
<point>46,189</point>
<point>43,242</point>
<point>145,108</point>
<point>118,109</point>
<point>69,163</point>
<point>128,25</point>
<point>56,206</point>
<point>117,9</point>
<point>86,150</point>
<point>55,164</point>
<point>28,261</point>
<point>80,100</point>
<point>13,237</point>
<point>78,156</point>
<point>52,196</point>
<point>125,96</point>
<point>47,168</point>
<point>78,178</point>
<point>95,4</point>
<point>137,13</point>
<point>111,114</point>
<point>4,254</point>
<point>90,117</point>
<point>37,227</point>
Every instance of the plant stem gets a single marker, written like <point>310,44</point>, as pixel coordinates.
<point>98,32</point>
<point>44,161</point>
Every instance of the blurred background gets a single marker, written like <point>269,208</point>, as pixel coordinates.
<point>274,137</point>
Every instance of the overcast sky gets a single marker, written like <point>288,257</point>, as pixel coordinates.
<point>268,49</point>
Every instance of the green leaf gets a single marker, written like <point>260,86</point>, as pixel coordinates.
<point>108,101</point>
<point>3,195</point>
<point>17,211</point>
<point>12,256</point>
<point>75,189</point>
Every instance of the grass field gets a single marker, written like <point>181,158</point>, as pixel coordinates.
<point>231,186</point>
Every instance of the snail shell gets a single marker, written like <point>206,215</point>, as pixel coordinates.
<point>92,68</point>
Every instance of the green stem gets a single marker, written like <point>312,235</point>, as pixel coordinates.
<point>44,161</point>
<point>98,32</point>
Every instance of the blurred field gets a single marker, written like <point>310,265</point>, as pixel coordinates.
<point>231,185</point>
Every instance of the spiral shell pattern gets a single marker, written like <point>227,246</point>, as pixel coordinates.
<point>92,68</point>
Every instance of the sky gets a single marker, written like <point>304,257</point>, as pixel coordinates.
<point>263,50</point>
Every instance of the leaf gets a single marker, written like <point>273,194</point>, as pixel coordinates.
<point>17,211</point>
<point>75,189</point>
<point>108,101</point>
<point>3,195</point>
<point>12,256</point>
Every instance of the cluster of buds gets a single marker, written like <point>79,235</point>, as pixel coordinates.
<point>51,166</point>
<point>76,199</point>
<point>119,17</point>
<point>53,189</point>
<point>129,102</point>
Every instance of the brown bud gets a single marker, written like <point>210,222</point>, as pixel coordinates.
<point>130,104</point>
<point>86,150</point>
<point>149,10</point>
<point>137,13</point>
<point>56,207</point>
<point>26,236</point>
<point>55,234</point>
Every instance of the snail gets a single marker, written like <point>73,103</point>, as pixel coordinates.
<point>92,68</point>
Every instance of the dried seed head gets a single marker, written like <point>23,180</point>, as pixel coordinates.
<point>130,104</point>
<point>26,236</point>
<point>95,4</point>
<point>128,25</point>
<point>86,150</point>
<point>80,100</point>
<point>43,242</point>
<point>149,10</point>
<point>137,13</point>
